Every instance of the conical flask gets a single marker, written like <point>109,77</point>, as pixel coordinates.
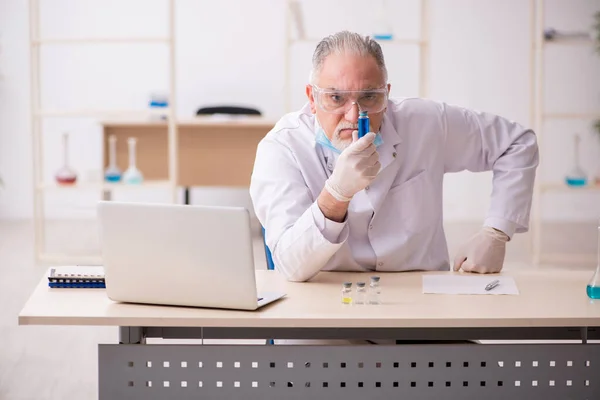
<point>132,175</point>
<point>576,176</point>
<point>112,172</point>
<point>66,175</point>
<point>593,287</point>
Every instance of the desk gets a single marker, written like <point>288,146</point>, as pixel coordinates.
<point>551,305</point>
<point>210,151</point>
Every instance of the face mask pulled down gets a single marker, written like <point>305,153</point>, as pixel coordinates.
<point>338,144</point>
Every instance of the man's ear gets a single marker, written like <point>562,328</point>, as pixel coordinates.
<point>389,89</point>
<point>311,99</point>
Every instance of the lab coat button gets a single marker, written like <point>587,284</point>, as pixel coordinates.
<point>371,226</point>
<point>367,188</point>
<point>380,264</point>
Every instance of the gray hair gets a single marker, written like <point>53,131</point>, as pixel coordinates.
<point>346,42</point>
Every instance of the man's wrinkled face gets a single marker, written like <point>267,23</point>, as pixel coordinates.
<point>344,82</point>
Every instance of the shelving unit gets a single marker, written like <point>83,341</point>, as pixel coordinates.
<point>422,42</point>
<point>539,116</point>
<point>106,186</point>
<point>38,114</point>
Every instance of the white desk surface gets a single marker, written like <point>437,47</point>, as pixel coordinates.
<point>548,298</point>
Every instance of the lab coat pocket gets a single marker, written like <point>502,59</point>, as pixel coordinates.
<point>398,186</point>
<point>411,204</point>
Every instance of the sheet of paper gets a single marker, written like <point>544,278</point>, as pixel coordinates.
<point>461,284</point>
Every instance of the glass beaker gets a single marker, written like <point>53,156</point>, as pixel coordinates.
<point>66,175</point>
<point>593,287</point>
<point>112,172</point>
<point>576,176</point>
<point>132,175</point>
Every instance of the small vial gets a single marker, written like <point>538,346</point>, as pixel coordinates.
<point>347,293</point>
<point>363,124</point>
<point>374,291</point>
<point>360,297</point>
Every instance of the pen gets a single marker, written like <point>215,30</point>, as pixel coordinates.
<point>492,284</point>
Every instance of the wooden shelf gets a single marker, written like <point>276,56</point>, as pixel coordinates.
<point>251,122</point>
<point>94,113</point>
<point>158,184</point>
<point>100,40</point>
<point>569,259</point>
<point>571,116</point>
<point>562,187</point>
<point>399,41</point>
<point>566,41</point>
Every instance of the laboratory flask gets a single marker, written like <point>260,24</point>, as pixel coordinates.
<point>132,175</point>
<point>593,287</point>
<point>112,172</point>
<point>576,176</point>
<point>65,175</point>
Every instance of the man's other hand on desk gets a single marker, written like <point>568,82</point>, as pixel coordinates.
<point>483,253</point>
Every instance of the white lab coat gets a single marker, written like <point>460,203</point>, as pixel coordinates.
<point>396,223</point>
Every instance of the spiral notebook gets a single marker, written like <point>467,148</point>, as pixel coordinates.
<point>76,277</point>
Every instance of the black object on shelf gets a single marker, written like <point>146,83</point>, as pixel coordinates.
<point>231,110</point>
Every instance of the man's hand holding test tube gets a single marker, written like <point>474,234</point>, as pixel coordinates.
<point>357,166</point>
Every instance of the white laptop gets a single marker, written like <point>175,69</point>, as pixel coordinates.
<point>180,255</point>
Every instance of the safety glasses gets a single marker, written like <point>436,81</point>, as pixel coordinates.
<point>340,101</point>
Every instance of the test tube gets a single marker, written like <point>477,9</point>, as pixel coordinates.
<point>363,123</point>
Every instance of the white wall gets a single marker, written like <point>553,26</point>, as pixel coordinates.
<point>232,51</point>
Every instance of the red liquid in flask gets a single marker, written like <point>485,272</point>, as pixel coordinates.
<point>66,180</point>
<point>65,175</point>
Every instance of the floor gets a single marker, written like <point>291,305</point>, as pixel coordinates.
<point>52,363</point>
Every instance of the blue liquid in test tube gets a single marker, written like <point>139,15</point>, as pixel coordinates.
<point>363,124</point>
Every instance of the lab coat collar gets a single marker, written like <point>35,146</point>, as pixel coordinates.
<point>391,139</point>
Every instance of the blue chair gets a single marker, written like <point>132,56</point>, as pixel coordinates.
<point>270,264</point>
